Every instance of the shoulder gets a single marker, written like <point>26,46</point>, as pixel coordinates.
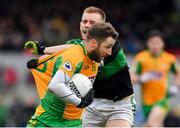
<point>142,55</point>
<point>74,41</point>
<point>75,48</point>
<point>76,51</point>
<point>169,56</point>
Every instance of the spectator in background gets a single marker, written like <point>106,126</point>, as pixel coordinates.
<point>10,77</point>
<point>151,69</point>
<point>34,19</point>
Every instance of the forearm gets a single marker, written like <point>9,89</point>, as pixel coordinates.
<point>134,78</point>
<point>64,93</point>
<point>175,87</point>
<point>177,78</point>
<point>53,49</point>
<point>57,86</point>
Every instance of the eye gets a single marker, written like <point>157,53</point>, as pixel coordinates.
<point>84,21</point>
<point>108,47</point>
<point>92,22</point>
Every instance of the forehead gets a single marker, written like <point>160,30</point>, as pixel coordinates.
<point>96,17</point>
<point>155,40</point>
<point>109,41</point>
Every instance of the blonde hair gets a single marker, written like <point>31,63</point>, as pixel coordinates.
<point>93,9</point>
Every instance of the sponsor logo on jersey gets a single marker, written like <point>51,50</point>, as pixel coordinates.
<point>67,66</point>
<point>85,67</point>
<point>94,67</point>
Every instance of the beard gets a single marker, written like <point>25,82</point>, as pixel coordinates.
<point>95,55</point>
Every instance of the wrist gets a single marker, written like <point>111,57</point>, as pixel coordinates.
<point>80,105</point>
<point>41,49</point>
<point>174,90</point>
<point>176,86</point>
<point>140,81</point>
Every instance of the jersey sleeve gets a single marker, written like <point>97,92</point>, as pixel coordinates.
<point>74,41</point>
<point>136,65</point>
<point>174,64</point>
<point>72,60</point>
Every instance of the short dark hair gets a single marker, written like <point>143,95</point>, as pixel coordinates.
<point>100,31</point>
<point>155,33</point>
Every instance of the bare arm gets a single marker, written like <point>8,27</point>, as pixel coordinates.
<point>53,49</point>
<point>174,89</point>
<point>134,77</point>
<point>177,77</point>
<point>57,86</point>
<point>137,76</point>
<point>133,74</point>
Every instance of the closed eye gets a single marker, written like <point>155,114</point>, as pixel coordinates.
<point>92,22</point>
<point>110,46</point>
<point>84,21</point>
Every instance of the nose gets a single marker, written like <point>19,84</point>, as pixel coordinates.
<point>109,52</point>
<point>87,24</point>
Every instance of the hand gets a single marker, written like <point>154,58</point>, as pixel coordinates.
<point>35,47</point>
<point>173,90</point>
<point>87,99</point>
<point>33,63</point>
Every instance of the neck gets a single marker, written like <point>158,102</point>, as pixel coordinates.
<point>156,54</point>
<point>88,48</point>
<point>89,52</point>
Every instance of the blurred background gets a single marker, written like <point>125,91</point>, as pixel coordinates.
<point>53,22</point>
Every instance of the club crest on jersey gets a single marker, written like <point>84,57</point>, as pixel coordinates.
<point>67,66</point>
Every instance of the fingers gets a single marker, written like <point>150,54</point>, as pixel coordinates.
<point>32,63</point>
<point>90,93</point>
<point>29,45</point>
<point>32,46</point>
<point>87,100</point>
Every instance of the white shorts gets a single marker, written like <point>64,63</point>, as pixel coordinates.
<point>102,110</point>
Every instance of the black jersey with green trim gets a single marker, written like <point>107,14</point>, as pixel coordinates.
<point>113,80</point>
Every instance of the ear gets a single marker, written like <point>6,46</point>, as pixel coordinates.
<point>94,43</point>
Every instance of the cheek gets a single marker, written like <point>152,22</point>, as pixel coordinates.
<point>156,47</point>
<point>81,26</point>
<point>98,51</point>
<point>103,51</point>
<point>90,25</point>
